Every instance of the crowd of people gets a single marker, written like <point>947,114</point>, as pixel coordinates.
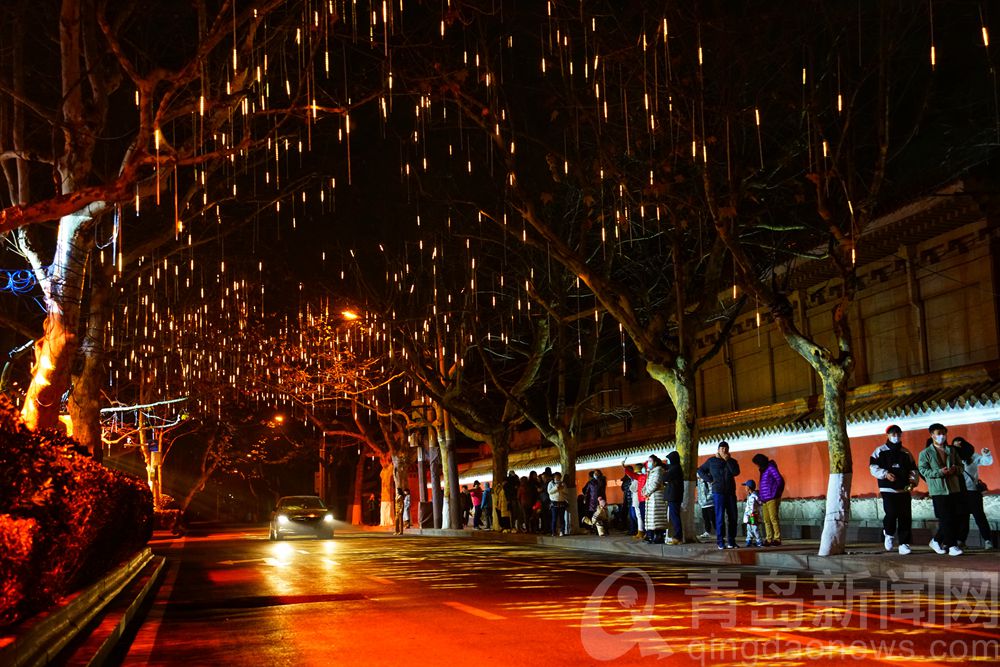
<point>653,495</point>
<point>536,503</point>
<point>951,471</point>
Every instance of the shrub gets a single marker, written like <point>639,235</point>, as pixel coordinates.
<point>64,519</point>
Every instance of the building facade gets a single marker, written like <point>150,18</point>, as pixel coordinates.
<point>926,328</point>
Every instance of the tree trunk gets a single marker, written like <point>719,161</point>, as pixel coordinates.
<point>401,470</point>
<point>357,504</point>
<point>56,350</point>
<point>208,465</point>
<point>451,512</point>
<point>434,463</point>
<point>833,540</point>
<point>834,372</point>
<point>567,465</point>
<point>84,402</point>
<point>500,453</point>
<point>680,387</point>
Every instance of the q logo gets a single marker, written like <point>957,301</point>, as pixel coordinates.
<point>601,644</point>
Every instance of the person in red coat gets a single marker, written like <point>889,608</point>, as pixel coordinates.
<point>476,496</point>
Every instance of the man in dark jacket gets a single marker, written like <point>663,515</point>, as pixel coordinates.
<point>896,471</point>
<point>721,471</point>
<point>628,503</point>
<point>590,495</point>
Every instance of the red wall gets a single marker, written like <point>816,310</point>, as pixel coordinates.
<point>805,470</point>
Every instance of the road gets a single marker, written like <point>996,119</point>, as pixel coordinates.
<point>234,598</point>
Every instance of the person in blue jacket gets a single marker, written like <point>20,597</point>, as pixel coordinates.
<point>721,471</point>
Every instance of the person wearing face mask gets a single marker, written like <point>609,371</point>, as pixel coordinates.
<point>941,467</point>
<point>893,466</point>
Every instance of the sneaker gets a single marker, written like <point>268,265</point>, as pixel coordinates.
<point>704,536</point>
<point>988,545</point>
<point>904,549</point>
<point>733,546</point>
<point>674,540</point>
<point>722,547</point>
<point>890,542</point>
<point>936,547</point>
<point>776,543</point>
<point>955,551</point>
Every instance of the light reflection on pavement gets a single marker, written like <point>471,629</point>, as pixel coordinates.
<point>374,599</point>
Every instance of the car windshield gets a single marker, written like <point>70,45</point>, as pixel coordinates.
<point>303,503</point>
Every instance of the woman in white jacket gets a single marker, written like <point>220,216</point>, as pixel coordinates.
<point>656,500</point>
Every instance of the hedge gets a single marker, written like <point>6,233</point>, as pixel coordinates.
<point>64,519</point>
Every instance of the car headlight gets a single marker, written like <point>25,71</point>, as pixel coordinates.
<point>328,518</point>
<point>282,519</point>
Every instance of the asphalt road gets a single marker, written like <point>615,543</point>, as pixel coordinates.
<point>234,598</point>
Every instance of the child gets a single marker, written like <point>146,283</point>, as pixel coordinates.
<point>600,519</point>
<point>751,514</point>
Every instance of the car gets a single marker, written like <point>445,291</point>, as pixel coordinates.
<point>300,515</point>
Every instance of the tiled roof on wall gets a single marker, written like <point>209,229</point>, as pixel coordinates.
<point>931,395</point>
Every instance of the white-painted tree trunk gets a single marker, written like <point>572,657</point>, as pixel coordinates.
<point>445,513</point>
<point>838,513</point>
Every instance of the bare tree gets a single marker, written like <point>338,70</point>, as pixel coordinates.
<point>814,158</point>
<point>133,106</point>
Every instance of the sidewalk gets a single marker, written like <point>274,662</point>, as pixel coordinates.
<point>975,567</point>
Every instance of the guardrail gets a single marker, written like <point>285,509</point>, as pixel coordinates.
<point>39,640</point>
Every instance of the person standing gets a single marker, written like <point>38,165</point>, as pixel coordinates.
<point>510,487</point>
<point>638,476</point>
<point>721,471</point>
<point>543,496</point>
<point>398,507</point>
<point>466,501</point>
<point>751,514</point>
<point>974,488</point>
<point>487,506</point>
<point>772,487</point>
<point>601,482</point>
<point>406,508</point>
<point>707,508</point>
<point>940,466</point>
<point>893,466</point>
<point>628,503</point>
<point>558,501</point>
<point>675,496</point>
<point>502,507</point>
<point>590,495</point>
<point>526,497</point>
<point>656,500</point>
<point>476,496</point>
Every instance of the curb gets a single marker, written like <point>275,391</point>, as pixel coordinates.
<point>862,565</point>
<point>41,639</point>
